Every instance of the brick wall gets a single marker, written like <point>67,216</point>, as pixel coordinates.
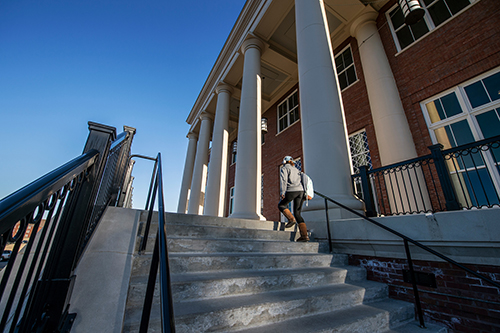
<point>456,51</point>
<point>461,301</point>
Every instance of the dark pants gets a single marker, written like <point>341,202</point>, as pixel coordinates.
<point>298,199</point>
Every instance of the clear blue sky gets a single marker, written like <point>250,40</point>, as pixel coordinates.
<point>139,63</point>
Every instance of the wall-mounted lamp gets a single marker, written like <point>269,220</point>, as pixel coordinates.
<point>263,123</point>
<point>412,11</point>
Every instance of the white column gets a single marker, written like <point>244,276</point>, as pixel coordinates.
<point>188,173</point>
<point>195,205</point>
<point>389,119</point>
<point>216,186</point>
<point>248,166</point>
<point>324,135</point>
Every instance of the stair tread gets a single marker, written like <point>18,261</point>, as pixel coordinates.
<point>210,305</point>
<point>248,254</point>
<point>233,274</point>
<point>333,321</point>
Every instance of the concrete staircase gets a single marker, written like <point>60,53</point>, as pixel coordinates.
<point>233,275</point>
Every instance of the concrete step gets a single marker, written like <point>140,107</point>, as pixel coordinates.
<point>201,262</point>
<point>192,286</point>
<point>203,245</point>
<point>234,313</point>
<point>189,219</point>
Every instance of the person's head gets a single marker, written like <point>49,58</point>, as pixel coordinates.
<point>288,159</point>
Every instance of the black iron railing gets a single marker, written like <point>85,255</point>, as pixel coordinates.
<point>463,177</point>
<point>406,241</point>
<point>159,259</point>
<point>62,209</point>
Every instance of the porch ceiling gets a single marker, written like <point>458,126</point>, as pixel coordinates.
<point>275,25</point>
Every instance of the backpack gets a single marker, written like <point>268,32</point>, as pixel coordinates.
<point>309,188</point>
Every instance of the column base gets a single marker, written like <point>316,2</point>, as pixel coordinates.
<point>315,211</point>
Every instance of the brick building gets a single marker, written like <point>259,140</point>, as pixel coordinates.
<point>339,85</point>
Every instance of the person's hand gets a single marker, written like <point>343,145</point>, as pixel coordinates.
<point>309,197</point>
<point>282,196</point>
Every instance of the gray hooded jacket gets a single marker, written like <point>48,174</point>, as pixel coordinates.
<point>290,179</point>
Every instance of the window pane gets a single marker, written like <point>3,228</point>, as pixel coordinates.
<point>492,84</point>
<point>351,75</point>
<point>451,105</point>
<point>439,12</point>
<point>281,110</point>
<point>339,63</point>
<point>435,110</point>
<point>476,94</point>
<point>457,5</point>
<point>489,122</point>
<point>419,29</point>
<point>347,57</point>
<point>293,101</point>
<point>283,123</point>
<point>397,18</point>
<point>404,36</point>
<point>343,80</point>
<point>428,2</point>
<point>462,132</point>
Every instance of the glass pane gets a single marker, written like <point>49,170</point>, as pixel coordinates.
<point>457,5</point>
<point>419,29</point>
<point>492,84</point>
<point>293,101</point>
<point>462,132</point>
<point>489,122</point>
<point>397,18</point>
<point>283,123</point>
<point>281,110</point>
<point>451,105</point>
<point>343,80</point>
<point>339,63</point>
<point>404,36</point>
<point>439,12</point>
<point>428,2</point>
<point>480,187</point>
<point>351,75</point>
<point>347,57</point>
<point>476,94</point>
<point>435,110</point>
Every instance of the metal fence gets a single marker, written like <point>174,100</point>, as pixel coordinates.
<point>463,177</point>
<point>62,210</point>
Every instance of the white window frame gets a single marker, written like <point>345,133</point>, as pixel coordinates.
<point>287,115</point>
<point>428,21</point>
<point>345,69</point>
<point>231,200</point>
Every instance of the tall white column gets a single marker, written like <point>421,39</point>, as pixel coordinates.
<point>188,173</point>
<point>324,135</point>
<point>195,205</point>
<point>388,115</point>
<point>216,186</point>
<point>247,185</point>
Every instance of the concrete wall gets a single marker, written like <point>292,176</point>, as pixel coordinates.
<point>471,237</point>
<point>103,275</point>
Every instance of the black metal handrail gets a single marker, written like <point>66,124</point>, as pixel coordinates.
<point>159,260</point>
<point>406,240</point>
<point>62,208</point>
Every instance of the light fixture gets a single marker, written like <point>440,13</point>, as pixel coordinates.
<point>412,11</point>
<point>263,123</point>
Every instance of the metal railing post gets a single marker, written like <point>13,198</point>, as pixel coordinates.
<point>444,177</point>
<point>414,284</point>
<point>328,227</point>
<point>370,210</point>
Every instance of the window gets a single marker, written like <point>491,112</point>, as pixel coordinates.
<point>288,111</point>
<point>360,153</point>
<point>231,200</point>
<point>436,13</point>
<point>345,68</point>
<point>468,113</point>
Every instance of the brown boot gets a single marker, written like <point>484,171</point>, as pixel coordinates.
<point>303,233</point>
<point>289,216</point>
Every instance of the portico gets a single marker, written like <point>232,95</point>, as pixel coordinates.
<point>263,58</point>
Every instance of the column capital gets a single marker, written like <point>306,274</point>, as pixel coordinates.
<point>252,42</point>
<point>192,135</point>
<point>365,18</point>
<point>206,116</point>
<point>224,87</point>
